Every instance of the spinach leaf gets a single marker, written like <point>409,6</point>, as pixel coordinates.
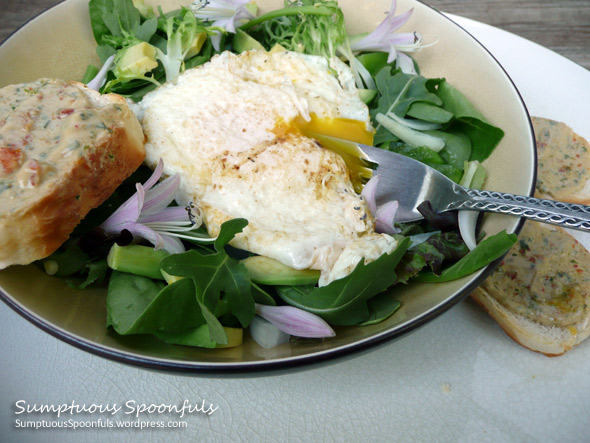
<point>139,305</point>
<point>97,9</point>
<point>468,120</point>
<point>199,336</point>
<point>127,297</point>
<point>429,113</point>
<point>457,148</point>
<point>484,253</point>
<point>345,301</point>
<point>381,307</point>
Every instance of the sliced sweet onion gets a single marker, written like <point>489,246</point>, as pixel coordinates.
<point>385,217</point>
<point>467,225</point>
<point>266,334</point>
<point>419,125</point>
<point>368,193</point>
<point>468,219</point>
<point>409,135</point>
<point>385,214</point>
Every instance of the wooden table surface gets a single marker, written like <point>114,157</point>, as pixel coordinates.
<point>561,25</point>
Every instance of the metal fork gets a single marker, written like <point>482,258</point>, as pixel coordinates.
<point>410,183</point>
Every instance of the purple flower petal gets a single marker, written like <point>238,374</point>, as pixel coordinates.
<point>172,213</point>
<point>132,207</point>
<point>295,321</point>
<point>155,176</point>
<point>126,213</point>
<point>378,39</point>
<point>368,193</point>
<point>161,195</point>
<point>171,244</point>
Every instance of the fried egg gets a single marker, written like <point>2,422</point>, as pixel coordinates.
<point>233,129</point>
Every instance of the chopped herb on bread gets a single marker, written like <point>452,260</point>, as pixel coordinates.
<point>540,293</point>
<point>64,149</point>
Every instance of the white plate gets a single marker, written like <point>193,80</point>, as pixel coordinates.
<point>458,378</point>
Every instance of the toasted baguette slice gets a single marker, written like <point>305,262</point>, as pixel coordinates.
<point>540,294</point>
<point>563,159</point>
<point>64,149</point>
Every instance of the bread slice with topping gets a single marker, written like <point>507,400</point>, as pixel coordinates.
<point>563,162</point>
<point>540,293</point>
<point>64,148</point>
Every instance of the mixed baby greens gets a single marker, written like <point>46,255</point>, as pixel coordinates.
<point>207,295</point>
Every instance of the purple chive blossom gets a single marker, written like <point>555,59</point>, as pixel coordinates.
<point>99,79</point>
<point>384,39</point>
<point>146,214</point>
<point>295,321</point>
<point>385,214</point>
<point>224,14</point>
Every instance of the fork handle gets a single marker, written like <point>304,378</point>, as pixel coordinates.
<point>567,215</point>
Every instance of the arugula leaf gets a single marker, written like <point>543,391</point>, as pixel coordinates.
<point>484,253</point>
<point>428,157</point>
<point>216,274</point>
<point>345,301</point>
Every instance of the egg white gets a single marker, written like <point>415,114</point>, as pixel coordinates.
<point>219,127</point>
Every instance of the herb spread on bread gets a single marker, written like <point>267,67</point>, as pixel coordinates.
<point>545,278</point>
<point>563,162</point>
<point>63,150</point>
<point>540,293</point>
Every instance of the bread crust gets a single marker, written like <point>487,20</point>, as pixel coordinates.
<point>552,343</point>
<point>35,231</point>
<point>562,175</point>
<point>540,293</point>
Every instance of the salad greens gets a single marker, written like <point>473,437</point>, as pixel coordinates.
<point>206,295</point>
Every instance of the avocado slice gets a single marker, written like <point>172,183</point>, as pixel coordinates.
<point>243,42</point>
<point>268,271</point>
<point>138,59</point>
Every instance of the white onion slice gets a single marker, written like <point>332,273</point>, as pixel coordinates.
<point>266,334</point>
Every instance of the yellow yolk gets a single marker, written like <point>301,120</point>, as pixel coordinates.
<point>341,128</point>
<point>344,128</point>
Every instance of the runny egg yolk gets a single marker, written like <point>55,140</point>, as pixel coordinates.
<point>340,128</point>
<point>344,128</point>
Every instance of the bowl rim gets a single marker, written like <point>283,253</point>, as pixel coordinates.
<point>306,361</point>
